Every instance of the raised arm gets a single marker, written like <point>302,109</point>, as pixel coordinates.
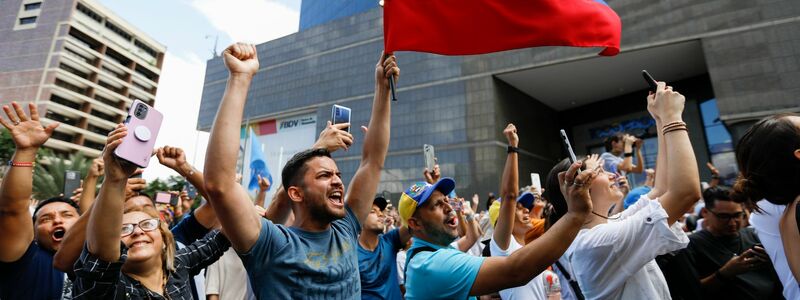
<point>661,171</point>
<point>639,167</point>
<point>232,205</point>
<point>467,218</point>
<point>72,244</point>
<point>89,185</point>
<point>103,230</point>
<point>263,186</point>
<point>682,188</point>
<point>498,273</point>
<point>175,159</point>
<point>16,225</point>
<point>509,190</point>
<point>376,142</point>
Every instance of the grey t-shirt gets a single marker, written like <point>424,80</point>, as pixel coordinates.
<point>289,263</point>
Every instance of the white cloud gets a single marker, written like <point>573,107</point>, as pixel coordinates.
<point>179,90</point>
<point>252,21</point>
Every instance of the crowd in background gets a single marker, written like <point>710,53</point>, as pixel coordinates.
<point>584,233</point>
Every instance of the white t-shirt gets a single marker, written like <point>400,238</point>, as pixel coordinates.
<point>534,289</point>
<point>228,278</point>
<point>616,260</point>
<point>767,228</point>
<point>475,250</point>
<point>401,267</point>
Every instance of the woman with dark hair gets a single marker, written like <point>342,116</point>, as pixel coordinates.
<point>614,257</point>
<point>132,254</point>
<point>769,184</point>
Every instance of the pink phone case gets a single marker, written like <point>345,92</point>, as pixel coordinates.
<point>137,146</point>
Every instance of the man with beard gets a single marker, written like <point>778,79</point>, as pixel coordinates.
<point>315,257</point>
<point>26,255</point>
<point>377,254</point>
<point>435,270</point>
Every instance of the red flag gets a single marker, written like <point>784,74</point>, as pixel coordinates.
<point>463,27</point>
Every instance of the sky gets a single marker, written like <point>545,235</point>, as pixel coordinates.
<point>189,28</point>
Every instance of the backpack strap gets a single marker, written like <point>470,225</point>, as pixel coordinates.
<point>572,282</point>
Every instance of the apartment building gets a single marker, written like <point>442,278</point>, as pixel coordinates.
<point>80,63</point>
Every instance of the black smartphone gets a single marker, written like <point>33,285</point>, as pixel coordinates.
<point>72,181</point>
<point>190,190</point>
<point>340,114</point>
<point>651,82</point>
<point>173,199</point>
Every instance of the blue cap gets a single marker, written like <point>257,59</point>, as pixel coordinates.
<point>526,199</point>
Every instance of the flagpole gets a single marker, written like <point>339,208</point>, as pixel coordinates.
<point>391,78</point>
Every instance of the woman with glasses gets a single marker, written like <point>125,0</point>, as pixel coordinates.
<point>614,257</point>
<point>131,254</point>
<point>768,155</point>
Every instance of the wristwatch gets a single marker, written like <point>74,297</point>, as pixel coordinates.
<point>513,149</point>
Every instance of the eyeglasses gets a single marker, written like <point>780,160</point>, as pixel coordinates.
<point>145,225</point>
<point>725,216</point>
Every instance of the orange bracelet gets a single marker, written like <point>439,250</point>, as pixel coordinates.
<point>21,164</point>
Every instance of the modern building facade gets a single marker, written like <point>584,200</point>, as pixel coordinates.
<point>80,63</point>
<point>736,61</point>
<point>318,12</point>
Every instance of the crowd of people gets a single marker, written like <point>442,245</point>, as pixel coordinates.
<point>586,234</point>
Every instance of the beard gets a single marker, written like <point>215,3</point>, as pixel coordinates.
<point>437,232</point>
<point>319,210</point>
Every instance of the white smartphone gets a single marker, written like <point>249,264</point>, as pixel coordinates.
<point>536,182</point>
<point>430,160</point>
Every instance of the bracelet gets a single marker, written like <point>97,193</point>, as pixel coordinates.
<point>676,123</point>
<point>628,154</point>
<point>675,129</point>
<point>512,149</point>
<point>21,164</point>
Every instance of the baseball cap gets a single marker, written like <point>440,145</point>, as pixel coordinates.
<point>419,192</point>
<point>381,202</point>
<point>494,211</point>
<point>526,199</point>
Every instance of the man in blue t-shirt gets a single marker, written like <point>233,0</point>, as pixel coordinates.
<point>436,270</point>
<point>316,257</point>
<point>377,255</point>
<point>28,244</point>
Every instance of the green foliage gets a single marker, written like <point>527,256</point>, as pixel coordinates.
<point>48,180</point>
<point>6,146</point>
<point>172,183</point>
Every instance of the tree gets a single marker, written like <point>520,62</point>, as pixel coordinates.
<point>48,178</point>
<point>172,183</point>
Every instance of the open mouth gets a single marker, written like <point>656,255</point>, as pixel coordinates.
<point>337,198</point>
<point>452,221</point>
<point>58,234</point>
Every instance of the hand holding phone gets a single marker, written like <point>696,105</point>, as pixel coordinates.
<point>143,123</point>
<point>429,156</point>
<point>163,197</point>
<point>340,114</point>
<point>72,181</point>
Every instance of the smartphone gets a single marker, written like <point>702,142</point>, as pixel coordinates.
<point>651,82</point>
<point>536,182</point>
<point>340,114</point>
<point>456,205</point>
<point>143,124</point>
<point>163,197</point>
<point>173,199</point>
<point>190,190</point>
<point>72,181</point>
<point>430,160</point>
<point>568,146</point>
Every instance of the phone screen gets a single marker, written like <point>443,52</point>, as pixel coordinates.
<point>163,197</point>
<point>430,160</point>
<point>340,114</point>
<point>536,182</point>
<point>72,181</point>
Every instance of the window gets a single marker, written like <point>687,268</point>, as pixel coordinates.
<point>89,13</point>
<point>33,6</point>
<point>118,31</point>
<point>145,48</point>
<point>28,20</point>
<point>719,142</point>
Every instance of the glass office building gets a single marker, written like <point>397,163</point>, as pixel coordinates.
<point>732,69</point>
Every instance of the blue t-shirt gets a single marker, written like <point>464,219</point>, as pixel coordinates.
<point>379,268</point>
<point>32,276</point>
<point>444,274</point>
<point>290,263</point>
